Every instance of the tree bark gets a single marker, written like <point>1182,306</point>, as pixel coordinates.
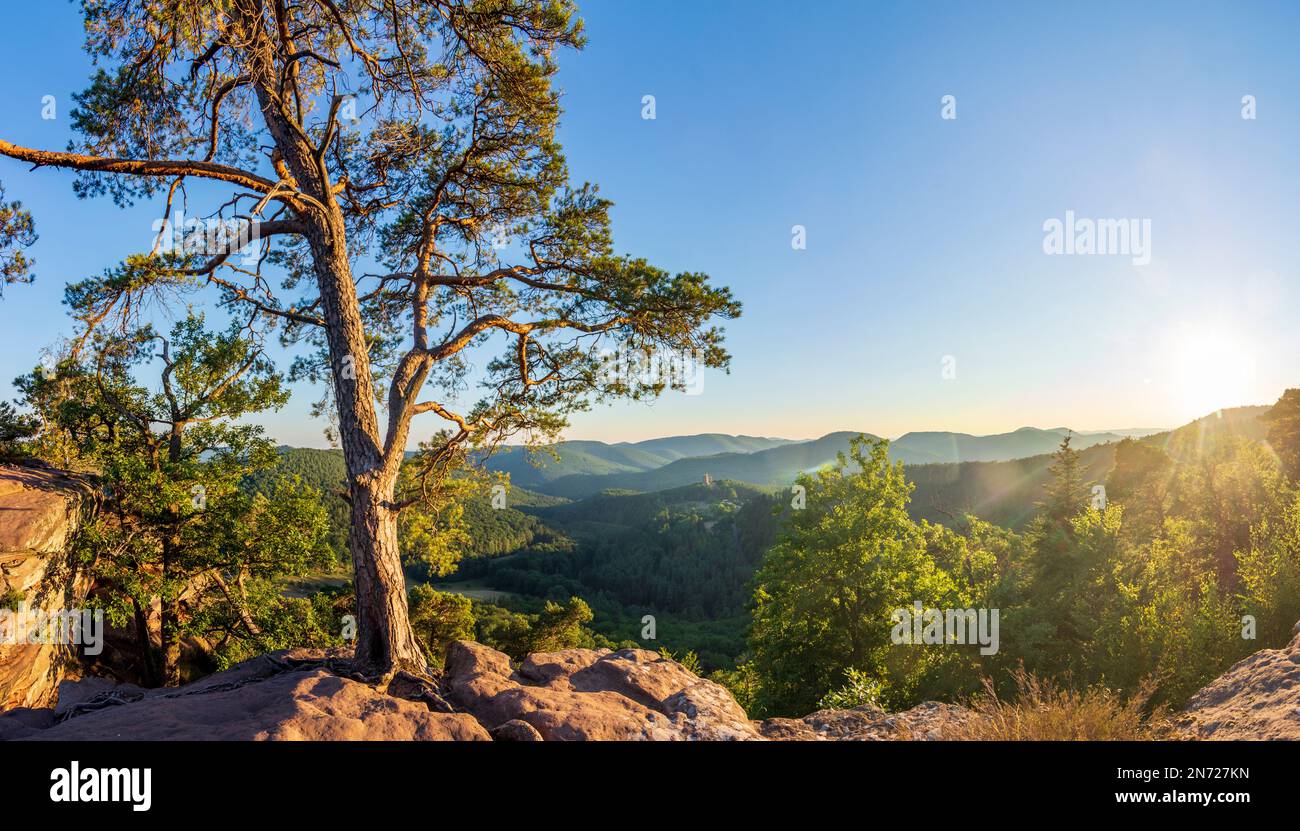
<point>171,620</point>
<point>171,643</point>
<point>152,675</point>
<point>385,639</point>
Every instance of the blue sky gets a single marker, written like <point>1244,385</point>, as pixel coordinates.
<point>924,235</point>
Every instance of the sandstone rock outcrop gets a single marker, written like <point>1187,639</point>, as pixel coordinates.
<point>591,694</point>
<point>571,695</point>
<point>40,509</point>
<point>929,721</point>
<point>287,695</point>
<point>1257,698</point>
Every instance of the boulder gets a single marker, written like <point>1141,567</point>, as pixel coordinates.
<point>40,510</point>
<point>1257,698</point>
<point>586,694</point>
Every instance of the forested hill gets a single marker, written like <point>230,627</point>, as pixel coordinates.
<point>1204,434</point>
<point>1000,482</point>
<point>630,509</point>
<point>324,470</point>
<point>1006,493</point>
<point>685,555</point>
<point>688,554</point>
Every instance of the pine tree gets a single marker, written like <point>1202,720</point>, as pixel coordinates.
<point>417,135</point>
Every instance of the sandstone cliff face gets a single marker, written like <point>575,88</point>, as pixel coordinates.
<point>40,509</point>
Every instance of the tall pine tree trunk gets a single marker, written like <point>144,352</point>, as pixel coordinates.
<point>148,654</point>
<point>385,640</point>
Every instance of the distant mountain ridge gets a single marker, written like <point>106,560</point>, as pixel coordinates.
<point>536,470</point>
<point>576,476</point>
<point>580,468</point>
<point>951,448</point>
<point>705,444</point>
<point>1004,491</point>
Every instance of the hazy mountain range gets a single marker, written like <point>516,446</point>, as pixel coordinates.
<point>577,469</point>
<point>595,458</point>
<point>1007,492</point>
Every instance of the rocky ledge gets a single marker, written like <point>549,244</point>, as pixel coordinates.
<point>925,722</point>
<point>576,694</point>
<point>1257,698</point>
<point>571,695</point>
<point>287,695</point>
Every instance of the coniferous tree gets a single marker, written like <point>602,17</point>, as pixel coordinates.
<point>418,135</point>
<point>1050,630</point>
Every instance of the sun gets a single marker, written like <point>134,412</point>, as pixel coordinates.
<point>1208,369</point>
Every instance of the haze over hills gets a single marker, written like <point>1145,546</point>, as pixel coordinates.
<point>950,448</point>
<point>1006,492</point>
<point>577,475</point>
<point>1003,491</point>
<point>1206,432</point>
<point>672,448</point>
<point>997,477</point>
<point>594,458</point>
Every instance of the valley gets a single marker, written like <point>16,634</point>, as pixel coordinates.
<point>632,529</point>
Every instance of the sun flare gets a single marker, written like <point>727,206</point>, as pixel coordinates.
<point>1207,370</point>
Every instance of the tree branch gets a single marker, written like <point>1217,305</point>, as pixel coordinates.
<point>137,167</point>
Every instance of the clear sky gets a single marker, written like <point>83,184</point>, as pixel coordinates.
<point>925,235</point>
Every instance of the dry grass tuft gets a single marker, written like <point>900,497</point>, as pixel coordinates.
<point>1045,712</point>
